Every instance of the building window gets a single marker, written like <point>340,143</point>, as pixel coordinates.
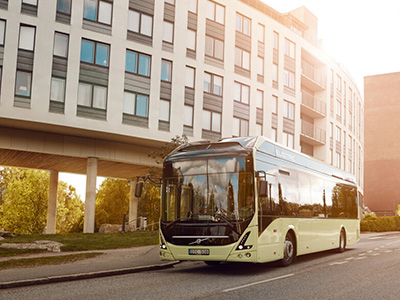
<point>338,134</point>
<point>275,72</point>
<point>60,45</point>
<point>91,95</point>
<point>274,134</point>
<point>261,33</point>
<point>211,121</point>
<point>135,104</point>
<point>288,111</point>
<point>172,2</point>
<point>241,92</point>
<point>240,127</point>
<point>275,43</point>
<point>137,63</point>
<point>215,12</point>
<point>188,116</point>
<point>242,58</point>
<point>164,110</point>
<point>338,160</point>
<point>94,53</point>
<point>212,84</point>
<point>274,107</point>
<point>259,129</point>
<point>288,140</point>
<point>166,70</point>
<point>192,6</point>
<point>288,79</point>
<point>338,108</point>
<point>2,31</point>
<point>57,92</point>
<point>214,48</point>
<point>260,65</point>
<point>290,48</point>
<point>259,99</point>
<point>64,6</point>
<point>191,40</point>
<point>168,32</point>
<point>98,11</point>
<point>338,83</point>
<point>190,75</point>
<point>140,23</point>
<point>23,83</point>
<point>243,24</point>
<point>31,2</point>
<point>27,38</point>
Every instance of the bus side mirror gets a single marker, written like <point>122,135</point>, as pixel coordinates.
<point>263,188</point>
<point>138,189</point>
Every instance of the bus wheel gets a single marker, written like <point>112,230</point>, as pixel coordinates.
<point>289,250</point>
<point>342,241</point>
<point>212,263</point>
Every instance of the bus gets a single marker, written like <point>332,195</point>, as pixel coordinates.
<point>251,200</point>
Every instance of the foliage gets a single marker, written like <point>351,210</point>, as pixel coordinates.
<point>168,148</point>
<point>112,201</point>
<point>149,203</point>
<point>23,209</point>
<point>398,211</point>
<point>380,224</point>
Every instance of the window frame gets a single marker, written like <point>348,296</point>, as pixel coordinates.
<point>240,85</point>
<point>30,84</point>
<point>97,13</point>
<point>62,12</point>
<point>93,96</point>
<point>138,55</point>
<point>169,110</point>
<point>185,115</point>
<point>289,110</point>
<point>4,32</point>
<point>34,37</point>
<point>241,18</point>
<point>51,88</point>
<point>212,113</point>
<point>215,5</point>
<point>289,79</point>
<point>135,104</point>
<point>170,70</point>
<point>259,102</point>
<point>194,77</point>
<point>241,51</point>
<point>140,22</point>
<point>240,127</point>
<point>172,33</point>
<point>95,53</point>
<point>275,111</point>
<point>67,46</point>
<point>212,84</point>
<point>213,43</point>
<point>290,48</point>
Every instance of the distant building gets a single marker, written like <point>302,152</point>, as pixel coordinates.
<point>89,87</point>
<point>382,143</point>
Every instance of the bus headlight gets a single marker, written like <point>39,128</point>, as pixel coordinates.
<point>162,243</point>
<point>242,243</point>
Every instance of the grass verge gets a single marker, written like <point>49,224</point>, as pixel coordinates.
<point>51,260</point>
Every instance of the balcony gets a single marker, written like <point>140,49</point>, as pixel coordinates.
<point>312,106</point>
<point>312,77</point>
<point>312,135</point>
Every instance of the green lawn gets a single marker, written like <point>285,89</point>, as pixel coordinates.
<point>87,241</point>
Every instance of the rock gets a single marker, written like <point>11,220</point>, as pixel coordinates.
<point>48,245</point>
<point>6,234</point>
<point>114,228</point>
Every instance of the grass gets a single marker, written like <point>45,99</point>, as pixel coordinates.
<point>52,260</point>
<point>87,241</point>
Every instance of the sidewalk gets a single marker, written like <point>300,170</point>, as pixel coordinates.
<point>111,262</point>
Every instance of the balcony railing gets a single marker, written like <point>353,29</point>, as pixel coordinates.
<point>314,74</point>
<point>313,132</point>
<point>313,103</point>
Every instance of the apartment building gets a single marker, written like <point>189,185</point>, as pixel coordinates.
<point>104,79</point>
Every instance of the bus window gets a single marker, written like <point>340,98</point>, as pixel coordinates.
<point>318,197</point>
<point>306,208</point>
<point>288,194</point>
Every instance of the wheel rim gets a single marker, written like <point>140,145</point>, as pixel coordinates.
<point>288,249</point>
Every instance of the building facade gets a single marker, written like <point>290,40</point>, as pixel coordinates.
<point>105,81</point>
<point>382,157</point>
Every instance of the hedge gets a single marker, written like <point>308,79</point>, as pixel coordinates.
<point>380,224</point>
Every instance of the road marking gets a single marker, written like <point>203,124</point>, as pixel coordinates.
<point>391,243</point>
<point>375,238</point>
<point>388,251</point>
<point>361,257</point>
<point>376,249</point>
<point>375,254</point>
<point>362,254</point>
<point>350,258</point>
<point>369,251</point>
<point>339,263</point>
<point>258,282</point>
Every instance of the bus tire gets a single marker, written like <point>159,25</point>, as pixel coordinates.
<point>342,241</point>
<point>289,250</point>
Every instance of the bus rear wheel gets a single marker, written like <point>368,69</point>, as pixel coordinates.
<point>342,241</point>
<point>289,250</point>
<point>212,263</point>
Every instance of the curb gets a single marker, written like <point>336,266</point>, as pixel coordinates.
<point>82,276</point>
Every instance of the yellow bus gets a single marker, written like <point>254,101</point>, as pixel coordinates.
<point>252,200</point>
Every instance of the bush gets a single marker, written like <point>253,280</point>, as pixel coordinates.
<point>380,224</point>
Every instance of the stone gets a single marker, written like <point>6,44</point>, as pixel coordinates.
<point>5,234</point>
<point>115,228</point>
<point>47,245</point>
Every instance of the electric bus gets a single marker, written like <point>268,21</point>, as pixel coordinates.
<point>251,200</point>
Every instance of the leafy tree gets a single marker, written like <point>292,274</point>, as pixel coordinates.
<point>149,203</point>
<point>112,201</point>
<point>25,195</point>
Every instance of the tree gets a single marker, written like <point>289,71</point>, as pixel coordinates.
<point>25,195</point>
<point>112,201</point>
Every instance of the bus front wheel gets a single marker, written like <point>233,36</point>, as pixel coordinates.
<point>342,241</point>
<point>289,250</point>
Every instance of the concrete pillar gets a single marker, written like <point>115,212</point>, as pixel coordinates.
<point>91,175</point>
<point>52,204</point>
<point>133,204</point>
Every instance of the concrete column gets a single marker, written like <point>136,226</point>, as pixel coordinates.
<point>52,204</point>
<point>133,204</point>
<point>91,175</point>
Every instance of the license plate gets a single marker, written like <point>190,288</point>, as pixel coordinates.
<point>199,251</point>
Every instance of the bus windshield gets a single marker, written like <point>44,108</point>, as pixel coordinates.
<point>208,189</point>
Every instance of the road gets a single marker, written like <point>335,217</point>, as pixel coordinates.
<point>368,270</point>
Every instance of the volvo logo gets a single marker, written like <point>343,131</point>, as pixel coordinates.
<point>198,241</point>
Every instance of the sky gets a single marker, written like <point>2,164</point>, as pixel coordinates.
<point>362,35</point>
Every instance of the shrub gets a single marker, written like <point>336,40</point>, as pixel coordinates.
<point>380,224</point>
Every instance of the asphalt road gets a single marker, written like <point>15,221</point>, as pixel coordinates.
<point>368,270</point>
